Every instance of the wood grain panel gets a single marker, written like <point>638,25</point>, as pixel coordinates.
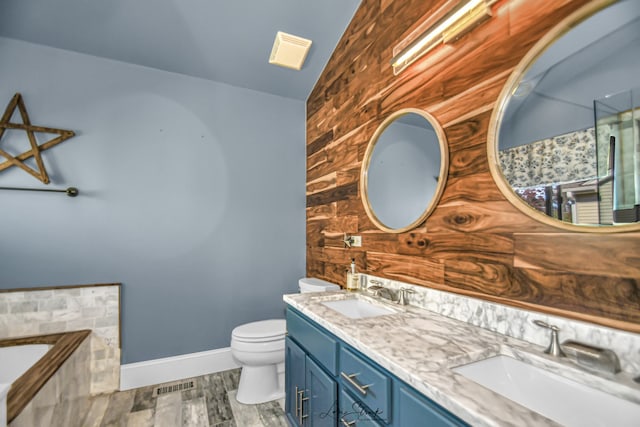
<point>321,211</point>
<point>349,176</point>
<point>469,132</point>
<point>405,268</point>
<point>481,189</point>
<point>486,217</point>
<point>324,183</point>
<point>339,193</point>
<point>342,157</point>
<point>447,245</point>
<point>582,293</point>
<point>335,228</point>
<point>475,243</point>
<point>482,277</point>
<point>315,238</point>
<point>315,160</point>
<point>349,207</point>
<point>315,268</point>
<point>481,97</point>
<point>320,142</point>
<point>607,255</point>
<point>468,161</point>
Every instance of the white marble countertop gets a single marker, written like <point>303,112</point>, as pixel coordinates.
<point>421,348</point>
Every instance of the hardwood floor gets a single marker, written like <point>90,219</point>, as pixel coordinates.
<point>210,403</point>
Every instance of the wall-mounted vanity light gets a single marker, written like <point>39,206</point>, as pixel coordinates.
<point>448,23</point>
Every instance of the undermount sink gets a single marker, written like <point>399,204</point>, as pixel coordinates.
<point>562,400</point>
<point>356,308</point>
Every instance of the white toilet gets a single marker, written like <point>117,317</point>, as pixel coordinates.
<point>259,348</point>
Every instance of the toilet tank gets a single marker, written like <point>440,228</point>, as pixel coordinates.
<point>311,284</point>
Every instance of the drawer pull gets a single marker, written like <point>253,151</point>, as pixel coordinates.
<point>347,423</point>
<point>350,379</point>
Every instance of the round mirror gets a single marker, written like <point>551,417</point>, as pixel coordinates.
<point>564,140</point>
<point>404,170</point>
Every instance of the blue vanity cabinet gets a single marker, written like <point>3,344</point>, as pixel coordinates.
<point>321,391</point>
<point>314,340</point>
<point>318,364</point>
<point>311,394</point>
<point>311,359</point>
<point>414,409</point>
<point>367,382</point>
<point>294,360</point>
<point>354,413</point>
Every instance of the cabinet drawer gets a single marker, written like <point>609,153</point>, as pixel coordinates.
<point>316,342</point>
<point>354,414</point>
<point>371,386</point>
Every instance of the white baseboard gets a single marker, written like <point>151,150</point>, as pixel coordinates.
<point>157,371</point>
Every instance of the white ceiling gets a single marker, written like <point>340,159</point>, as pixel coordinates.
<point>222,40</point>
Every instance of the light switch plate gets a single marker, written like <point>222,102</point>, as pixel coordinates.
<point>357,241</point>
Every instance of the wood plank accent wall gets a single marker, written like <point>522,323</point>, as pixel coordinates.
<point>475,243</point>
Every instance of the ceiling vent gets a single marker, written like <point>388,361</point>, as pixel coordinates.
<point>289,51</point>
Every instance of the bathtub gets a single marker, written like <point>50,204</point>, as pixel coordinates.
<point>15,361</point>
<point>33,372</point>
<point>4,389</point>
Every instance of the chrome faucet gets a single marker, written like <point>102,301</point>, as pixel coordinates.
<point>589,356</point>
<point>554,348</point>
<point>592,357</point>
<point>402,298</point>
<point>379,290</point>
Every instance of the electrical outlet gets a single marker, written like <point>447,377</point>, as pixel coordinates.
<point>357,241</point>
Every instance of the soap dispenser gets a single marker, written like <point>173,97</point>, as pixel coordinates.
<point>353,281</point>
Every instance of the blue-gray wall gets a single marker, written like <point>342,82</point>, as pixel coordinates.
<point>567,103</point>
<point>598,57</point>
<point>192,196</point>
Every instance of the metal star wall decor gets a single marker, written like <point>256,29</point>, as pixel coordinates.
<point>35,149</point>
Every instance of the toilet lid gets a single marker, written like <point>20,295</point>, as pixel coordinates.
<point>263,330</point>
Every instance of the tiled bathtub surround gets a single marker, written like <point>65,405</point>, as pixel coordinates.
<point>28,312</point>
<point>517,323</point>
<point>64,397</point>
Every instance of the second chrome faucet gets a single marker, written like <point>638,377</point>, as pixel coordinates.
<point>586,355</point>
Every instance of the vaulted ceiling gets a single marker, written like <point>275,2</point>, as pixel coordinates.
<point>227,41</point>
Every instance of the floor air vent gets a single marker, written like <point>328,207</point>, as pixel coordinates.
<point>173,387</point>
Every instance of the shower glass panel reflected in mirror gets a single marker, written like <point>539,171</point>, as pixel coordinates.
<point>618,148</point>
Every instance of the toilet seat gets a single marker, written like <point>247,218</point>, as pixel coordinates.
<point>257,347</point>
<point>262,331</point>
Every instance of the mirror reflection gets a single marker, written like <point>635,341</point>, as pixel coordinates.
<point>568,140</point>
<point>403,171</point>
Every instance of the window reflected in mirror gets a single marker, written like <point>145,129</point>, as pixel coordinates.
<point>568,136</point>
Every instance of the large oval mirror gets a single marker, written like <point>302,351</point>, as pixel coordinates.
<point>564,141</point>
<point>404,170</point>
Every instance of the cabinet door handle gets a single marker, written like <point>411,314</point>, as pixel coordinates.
<point>346,423</point>
<point>299,404</point>
<point>350,379</point>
